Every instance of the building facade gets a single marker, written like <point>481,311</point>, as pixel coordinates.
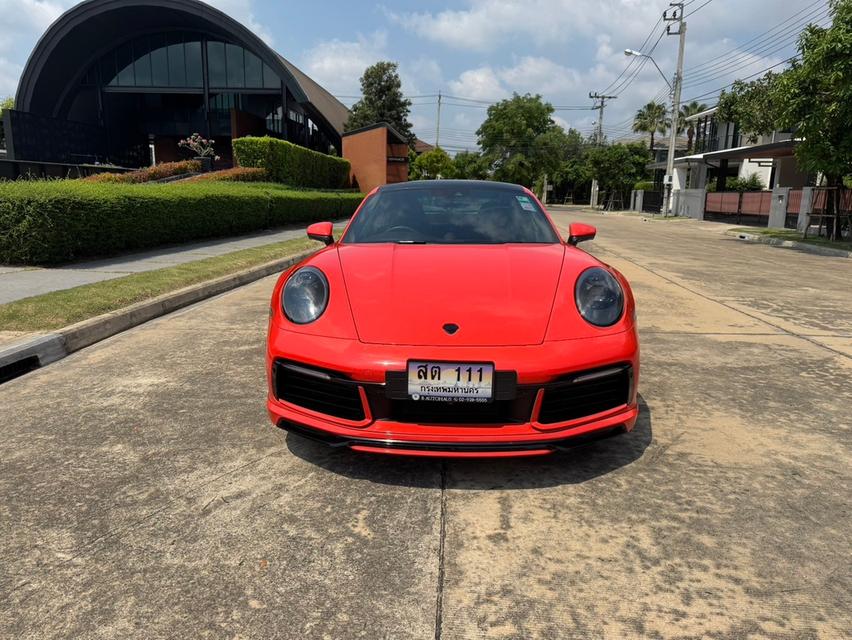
<point>122,81</point>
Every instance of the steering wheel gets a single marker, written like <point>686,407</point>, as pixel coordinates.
<point>401,229</point>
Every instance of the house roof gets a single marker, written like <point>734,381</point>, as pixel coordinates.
<point>702,114</point>
<point>335,112</point>
<point>398,137</point>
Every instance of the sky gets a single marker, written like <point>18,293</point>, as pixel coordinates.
<point>480,51</point>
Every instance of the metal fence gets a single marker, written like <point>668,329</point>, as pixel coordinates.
<point>652,201</point>
<point>751,207</point>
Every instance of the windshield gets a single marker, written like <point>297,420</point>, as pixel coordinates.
<point>451,214</point>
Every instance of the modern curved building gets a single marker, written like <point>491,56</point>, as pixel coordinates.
<point>121,80</point>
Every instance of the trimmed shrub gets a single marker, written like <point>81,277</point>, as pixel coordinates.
<point>234,174</point>
<point>53,221</point>
<point>157,172</point>
<point>644,185</point>
<point>291,164</point>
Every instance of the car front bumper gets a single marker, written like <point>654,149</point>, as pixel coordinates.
<point>366,372</point>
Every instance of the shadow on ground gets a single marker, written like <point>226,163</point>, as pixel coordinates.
<point>577,465</point>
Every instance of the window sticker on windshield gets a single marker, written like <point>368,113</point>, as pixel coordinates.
<point>526,205</point>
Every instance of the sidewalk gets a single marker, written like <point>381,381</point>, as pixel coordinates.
<point>23,282</point>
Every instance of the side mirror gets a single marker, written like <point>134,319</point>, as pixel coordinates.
<point>321,231</point>
<point>579,232</point>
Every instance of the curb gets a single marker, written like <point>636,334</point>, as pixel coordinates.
<point>791,244</point>
<point>35,352</point>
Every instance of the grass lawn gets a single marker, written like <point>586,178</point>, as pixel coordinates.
<point>795,236</point>
<point>61,308</point>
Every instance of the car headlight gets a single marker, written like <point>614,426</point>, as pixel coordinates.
<point>305,295</point>
<point>599,297</point>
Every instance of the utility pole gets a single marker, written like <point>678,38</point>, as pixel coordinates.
<point>438,125</point>
<point>599,139</point>
<point>676,16</point>
<point>600,107</point>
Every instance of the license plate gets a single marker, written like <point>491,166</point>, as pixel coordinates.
<point>450,381</point>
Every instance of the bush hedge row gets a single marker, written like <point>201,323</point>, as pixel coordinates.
<point>291,164</point>
<point>52,221</point>
<point>156,172</point>
<point>234,174</point>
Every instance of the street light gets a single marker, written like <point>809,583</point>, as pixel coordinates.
<point>675,95</point>
<point>639,54</point>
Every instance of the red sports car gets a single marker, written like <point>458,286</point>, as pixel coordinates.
<point>450,319</point>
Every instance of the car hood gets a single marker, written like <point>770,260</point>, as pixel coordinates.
<point>495,294</point>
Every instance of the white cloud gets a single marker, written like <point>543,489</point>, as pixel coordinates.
<point>487,24</point>
<point>338,64</point>
<point>479,84</point>
<point>241,11</point>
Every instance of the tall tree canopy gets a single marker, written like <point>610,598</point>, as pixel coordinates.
<point>381,101</point>
<point>617,168</point>
<point>469,165</point>
<point>432,165</point>
<point>652,118</point>
<point>813,97</point>
<point>519,139</point>
<point>686,111</point>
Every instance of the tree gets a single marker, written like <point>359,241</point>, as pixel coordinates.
<point>813,98</point>
<point>519,139</point>
<point>752,106</point>
<point>469,165</point>
<point>687,111</point>
<point>617,168</point>
<point>432,165</point>
<point>6,103</point>
<point>381,101</point>
<point>652,118</point>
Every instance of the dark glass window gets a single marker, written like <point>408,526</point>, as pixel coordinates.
<point>451,214</point>
<point>159,62</point>
<point>194,73</point>
<point>254,71</point>
<point>108,69</point>
<point>142,65</point>
<point>216,64</point>
<point>236,68</point>
<point>177,62</point>
<point>124,63</point>
<point>270,78</point>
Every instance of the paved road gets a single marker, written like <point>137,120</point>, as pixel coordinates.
<point>23,282</point>
<point>144,495</point>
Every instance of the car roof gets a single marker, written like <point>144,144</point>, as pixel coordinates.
<point>431,184</point>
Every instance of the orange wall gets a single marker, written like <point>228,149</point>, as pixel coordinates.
<point>368,154</point>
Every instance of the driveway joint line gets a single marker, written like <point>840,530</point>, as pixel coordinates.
<point>439,596</point>
<point>732,308</point>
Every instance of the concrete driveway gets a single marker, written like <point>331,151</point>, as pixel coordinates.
<point>145,495</point>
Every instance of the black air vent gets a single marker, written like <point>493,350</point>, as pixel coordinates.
<point>318,390</point>
<point>585,394</point>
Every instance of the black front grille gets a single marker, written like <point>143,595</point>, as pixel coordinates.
<point>318,390</point>
<point>455,413</point>
<point>584,394</point>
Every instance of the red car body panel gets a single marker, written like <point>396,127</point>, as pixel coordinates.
<point>515,308</point>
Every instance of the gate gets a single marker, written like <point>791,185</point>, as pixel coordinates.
<point>652,201</point>
<point>750,207</point>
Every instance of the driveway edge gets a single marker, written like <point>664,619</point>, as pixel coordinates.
<point>57,344</point>
<point>791,244</point>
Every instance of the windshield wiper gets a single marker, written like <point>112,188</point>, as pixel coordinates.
<point>412,242</point>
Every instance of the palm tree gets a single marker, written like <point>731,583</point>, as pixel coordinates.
<point>651,119</point>
<point>687,110</point>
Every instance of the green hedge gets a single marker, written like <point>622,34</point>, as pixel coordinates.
<point>291,164</point>
<point>60,220</point>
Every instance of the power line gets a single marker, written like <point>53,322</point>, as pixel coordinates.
<point>696,10</point>
<point>730,84</point>
<point>746,57</point>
